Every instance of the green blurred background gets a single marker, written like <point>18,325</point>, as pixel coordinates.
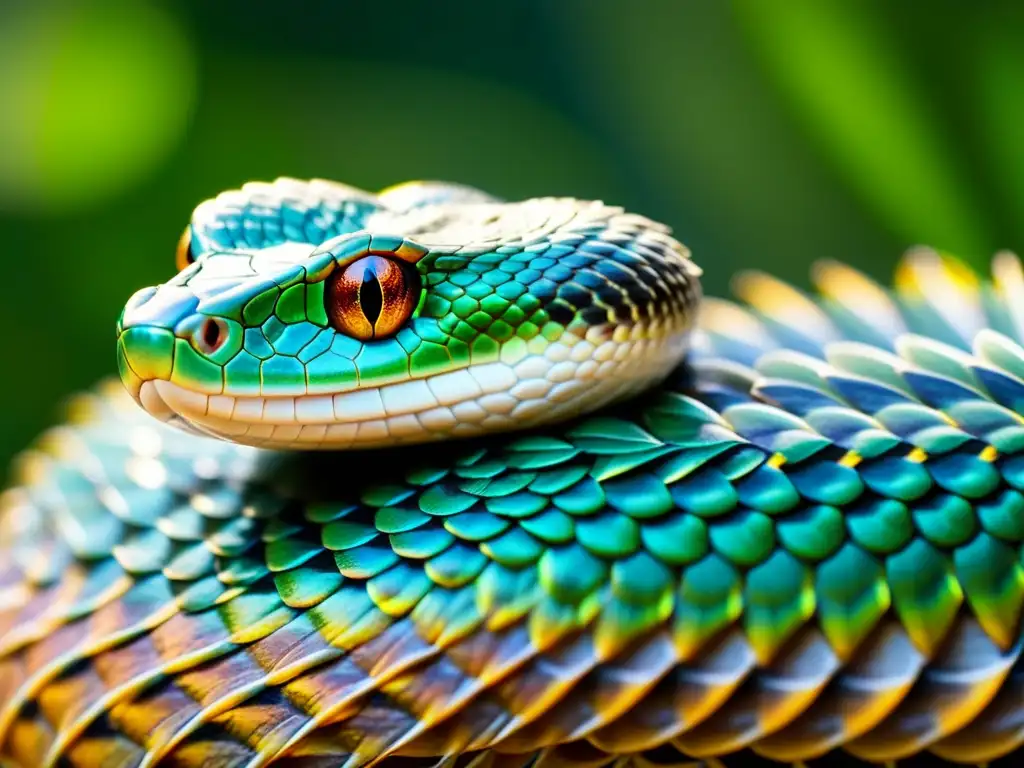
<point>766,133</point>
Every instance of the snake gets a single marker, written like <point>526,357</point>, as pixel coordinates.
<point>428,478</point>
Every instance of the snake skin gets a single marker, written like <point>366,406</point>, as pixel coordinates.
<point>805,548</point>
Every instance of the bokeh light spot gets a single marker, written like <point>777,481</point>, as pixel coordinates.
<point>93,96</point>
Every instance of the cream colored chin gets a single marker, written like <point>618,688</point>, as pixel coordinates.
<point>565,381</point>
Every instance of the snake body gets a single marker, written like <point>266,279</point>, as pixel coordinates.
<point>805,546</point>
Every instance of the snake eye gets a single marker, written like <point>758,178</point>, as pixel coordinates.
<point>184,255</point>
<point>371,298</point>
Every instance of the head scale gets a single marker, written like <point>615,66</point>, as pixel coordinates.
<point>313,315</point>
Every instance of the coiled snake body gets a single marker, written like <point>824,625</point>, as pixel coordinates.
<point>804,546</point>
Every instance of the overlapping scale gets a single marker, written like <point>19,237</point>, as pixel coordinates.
<point>816,547</point>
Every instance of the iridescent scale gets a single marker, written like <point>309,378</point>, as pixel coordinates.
<point>806,549</point>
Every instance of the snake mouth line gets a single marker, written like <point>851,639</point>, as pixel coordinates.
<point>467,402</point>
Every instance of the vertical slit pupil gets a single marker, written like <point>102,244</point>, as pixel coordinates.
<point>371,296</point>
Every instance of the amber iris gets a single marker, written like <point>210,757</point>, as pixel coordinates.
<point>371,298</point>
<point>184,255</point>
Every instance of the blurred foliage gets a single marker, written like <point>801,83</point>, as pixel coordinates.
<point>93,96</point>
<point>840,66</point>
<point>767,134</point>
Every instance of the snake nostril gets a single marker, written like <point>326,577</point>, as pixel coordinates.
<point>211,335</point>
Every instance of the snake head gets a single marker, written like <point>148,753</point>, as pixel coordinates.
<point>475,317</point>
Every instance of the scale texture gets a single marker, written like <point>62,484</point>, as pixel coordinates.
<point>804,548</point>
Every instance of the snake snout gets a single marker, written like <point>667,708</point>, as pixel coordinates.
<point>171,353</point>
<point>162,308</point>
<point>154,326</point>
<point>145,335</point>
<point>144,353</point>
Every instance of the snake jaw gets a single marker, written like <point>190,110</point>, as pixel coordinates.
<point>473,401</point>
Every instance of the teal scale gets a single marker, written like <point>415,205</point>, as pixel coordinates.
<point>805,548</point>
